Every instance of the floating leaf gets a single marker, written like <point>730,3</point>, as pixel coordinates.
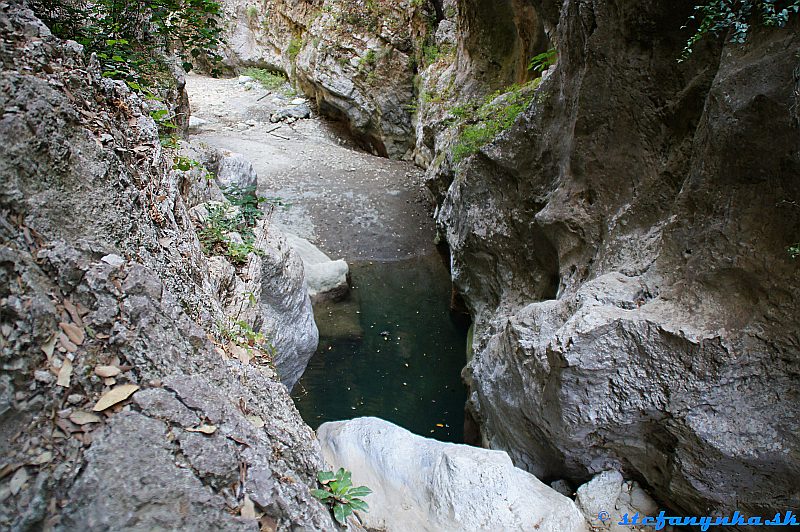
<point>73,332</point>
<point>118,394</point>
<point>205,429</point>
<point>248,510</point>
<point>79,417</point>
<point>65,373</point>
<point>106,371</point>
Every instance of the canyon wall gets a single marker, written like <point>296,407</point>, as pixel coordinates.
<point>107,294</point>
<point>623,250</point>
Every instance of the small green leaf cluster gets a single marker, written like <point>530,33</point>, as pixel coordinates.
<point>340,495</point>
<point>794,251</point>
<point>481,122</point>
<point>736,17</point>
<point>541,62</point>
<point>214,237</point>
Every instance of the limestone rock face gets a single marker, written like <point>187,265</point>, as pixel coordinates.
<point>101,267</point>
<point>623,249</point>
<point>355,60</point>
<point>424,484</point>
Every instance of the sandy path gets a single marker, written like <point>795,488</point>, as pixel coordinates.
<point>351,204</point>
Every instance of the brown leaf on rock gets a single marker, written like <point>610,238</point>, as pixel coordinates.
<point>204,429</point>
<point>66,343</point>
<point>75,334</point>
<point>106,371</point>
<point>73,312</point>
<point>64,374</point>
<point>79,417</point>
<point>49,346</point>
<point>248,510</point>
<point>18,480</point>
<point>114,396</point>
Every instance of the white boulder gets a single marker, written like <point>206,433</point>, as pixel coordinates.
<point>608,497</point>
<point>326,278</point>
<point>422,484</point>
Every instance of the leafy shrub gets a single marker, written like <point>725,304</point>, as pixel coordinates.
<point>735,17</point>
<point>340,495</point>
<point>129,36</point>
<point>540,63</point>
<point>252,13</point>
<point>213,234</point>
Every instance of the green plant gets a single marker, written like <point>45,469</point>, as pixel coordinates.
<point>131,36</point>
<point>252,13</point>
<point>273,81</point>
<point>736,17</point>
<point>482,123</point>
<point>794,251</point>
<point>214,233</point>
<point>340,495</point>
<point>431,54</point>
<point>295,45</point>
<point>540,63</point>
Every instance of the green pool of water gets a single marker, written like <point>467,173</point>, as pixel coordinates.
<point>392,350</point>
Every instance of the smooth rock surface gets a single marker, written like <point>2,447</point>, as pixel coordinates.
<point>326,279</point>
<point>423,484</point>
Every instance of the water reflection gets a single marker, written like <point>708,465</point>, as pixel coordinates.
<point>391,350</point>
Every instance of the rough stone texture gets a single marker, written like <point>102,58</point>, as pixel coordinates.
<point>96,241</point>
<point>326,279</point>
<point>424,484</point>
<point>234,170</point>
<point>356,60</point>
<point>623,251</point>
<point>609,495</point>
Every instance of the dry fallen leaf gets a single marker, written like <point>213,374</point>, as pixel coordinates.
<point>205,429</point>
<point>106,371</point>
<point>65,373</point>
<point>49,347</point>
<point>73,332</point>
<point>256,421</point>
<point>18,480</point>
<point>79,417</point>
<point>44,458</point>
<point>248,510</point>
<point>73,312</point>
<point>66,343</point>
<point>112,397</point>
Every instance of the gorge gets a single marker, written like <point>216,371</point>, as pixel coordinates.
<point>620,220</point>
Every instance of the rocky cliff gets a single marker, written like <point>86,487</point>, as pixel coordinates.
<point>623,250</point>
<point>125,400</point>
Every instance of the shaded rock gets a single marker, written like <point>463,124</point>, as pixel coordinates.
<point>326,279</point>
<point>424,484</point>
<point>214,458</point>
<point>167,497</point>
<point>235,170</point>
<point>300,111</point>
<point>608,495</point>
<point>161,404</point>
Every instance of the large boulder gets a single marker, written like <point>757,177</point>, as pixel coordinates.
<point>326,279</point>
<point>424,484</point>
<point>635,305</point>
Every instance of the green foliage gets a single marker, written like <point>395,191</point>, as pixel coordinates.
<point>736,17</point>
<point>242,334</point>
<point>269,80</point>
<point>223,220</point>
<point>252,13</point>
<point>431,53</point>
<point>340,495</point>
<point>295,45</point>
<point>540,63</point>
<point>129,36</point>
<point>482,122</point>
<point>794,251</point>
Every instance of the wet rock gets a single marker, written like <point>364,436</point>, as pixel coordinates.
<point>424,484</point>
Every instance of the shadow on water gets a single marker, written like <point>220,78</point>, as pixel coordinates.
<point>392,350</point>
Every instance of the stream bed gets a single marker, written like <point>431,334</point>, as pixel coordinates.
<point>392,349</point>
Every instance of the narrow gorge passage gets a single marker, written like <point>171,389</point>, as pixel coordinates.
<point>391,349</point>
